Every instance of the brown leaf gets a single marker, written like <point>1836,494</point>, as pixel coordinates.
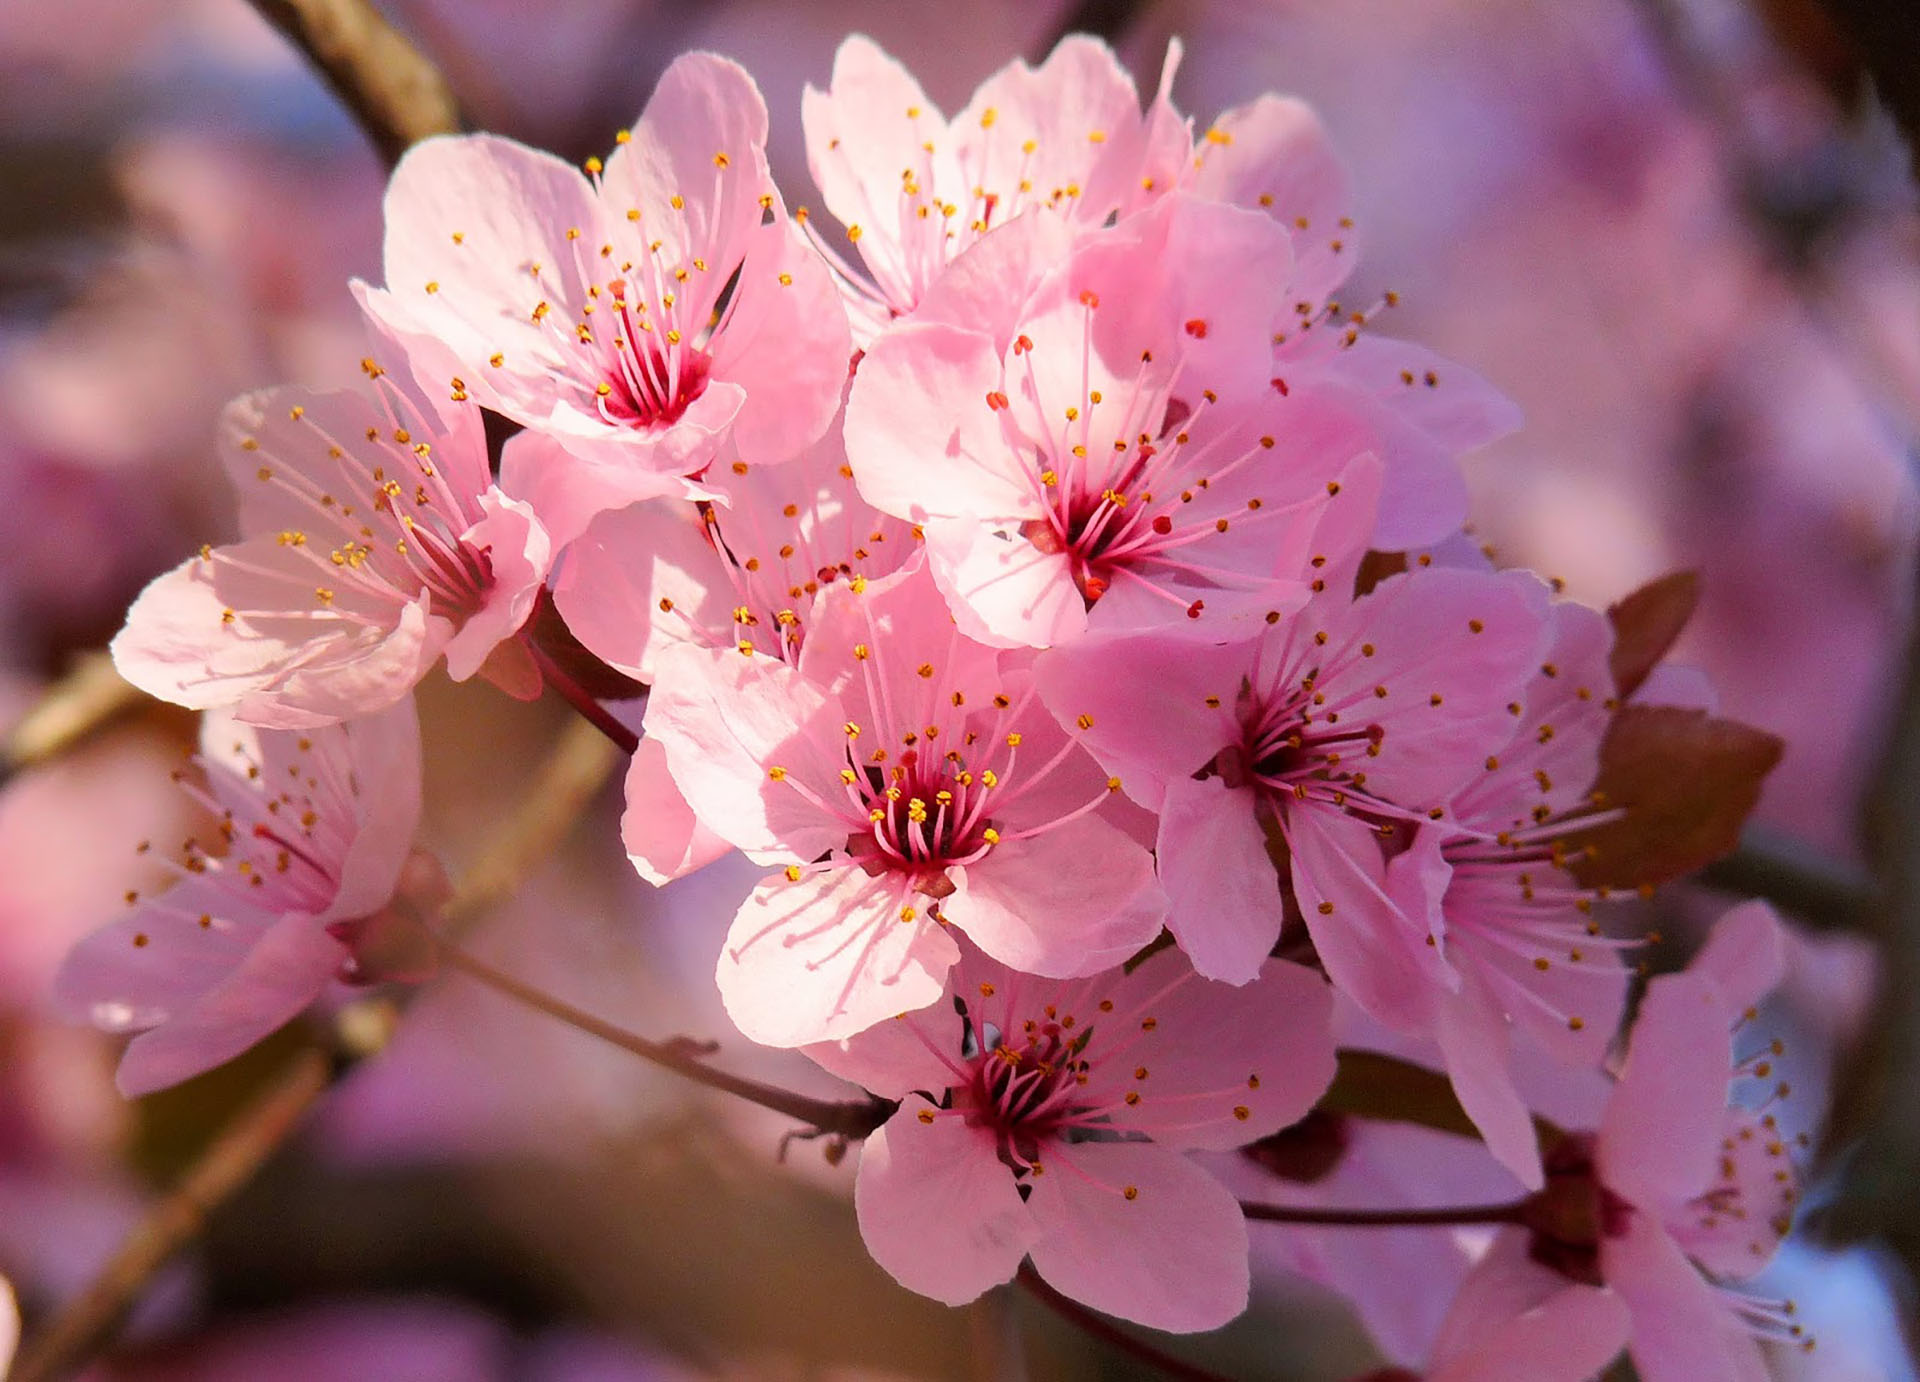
<point>1685,781</point>
<point>1375,567</point>
<point>1645,625</point>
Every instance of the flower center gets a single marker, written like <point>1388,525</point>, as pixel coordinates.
<point>1022,1089</point>
<point>923,818</point>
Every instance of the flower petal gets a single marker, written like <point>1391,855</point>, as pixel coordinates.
<point>1659,1137</point>
<point>663,837</point>
<point>1223,894</point>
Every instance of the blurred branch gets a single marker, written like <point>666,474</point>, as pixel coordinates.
<point>88,698</point>
<point>1878,1093</point>
<point>574,770</point>
<point>1108,19</point>
<point>398,96</point>
<point>235,1156</point>
<point>1824,893</point>
<point>1107,1332</point>
<point>854,1118</point>
<point>1886,41</point>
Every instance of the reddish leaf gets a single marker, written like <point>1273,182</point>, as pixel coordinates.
<point>1375,567</point>
<point>1685,781</point>
<point>1645,625</point>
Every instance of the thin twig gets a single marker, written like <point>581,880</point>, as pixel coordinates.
<point>1825,893</point>
<point>1443,1217</point>
<point>88,698</point>
<point>398,96</point>
<point>241,1149</point>
<point>1110,1333</point>
<point>576,695</point>
<point>851,1119</point>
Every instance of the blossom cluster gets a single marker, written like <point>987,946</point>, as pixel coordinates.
<point>1063,595</point>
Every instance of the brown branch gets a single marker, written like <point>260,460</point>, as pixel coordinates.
<point>88,1322</point>
<point>398,96</point>
<point>1112,1334</point>
<point>1443,1217</point>
<point>88,698</point>
<point>1825,893</point>
<point>852,1119</point>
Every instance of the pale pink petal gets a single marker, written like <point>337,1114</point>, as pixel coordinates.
<point>1734,1229</point>
<point>937,1209</point>
<point>1074,900</point>
<point>1473,1036</point>
<point>901,620</point>
<point>786,344</point>
<point>1445,402</point>
<point>630,561</point>
<point>1682,1330</point>
<point>923,439</point>
<point>375,760</point>
<point>987,287</point>
<point>725,722</point>
<point>1171,1256</point>
<point>1745,956</point>
<point>663,837</point>
<point>1273,155</point>
<point>509,668</point>
<point>466,215</point>
<point>283,971</point>
<point>1659,1138</point>
<point>1228,1064</point>
<point>243,626</point>
<point>1003,590</point>
<point>1373,951</point>
<point>827,956</point>
<point>1160,709</point>
<point>915,1050</point>
<point>1517,1321</point>
<point>569,479</point>
<point>518,553</point>
<point>869,124</point>
<point>1223,894</point>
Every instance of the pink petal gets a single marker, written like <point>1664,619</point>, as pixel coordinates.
<point>284,971</point>
<point>1472,1031</point>
<point>914,1050</point>
<point>1745,956</point>
<point>986,288</point>
<point>664,839</point>
<point>1682,1330</point>
<point>725,721</point>
<point>616,574</point>
<point>518,552</point>
<point>828,956</point>
<point>1223,893</point>
<point>377,758</point>
<point>1514,1319</point>
<point>859,134</point>
<point>509,206</point>
<point>921,436</point>
<point>1003,590</point>
<point>1735,1228</point>
<point>1074,900</point>
<point>1273,155</point>
<point>1172,1257</point>
<point>1229,1065</point>
<point>1660,1135</point>
<point>938,1210</point>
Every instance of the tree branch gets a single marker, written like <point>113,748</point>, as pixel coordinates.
<point>1443,1217</point>
<point>88,1322</point>
<point>88,698</point>
<point>1825,893</point>
<point>1112,1334</point>
<point>852,1119</point>
<point>398,97</point>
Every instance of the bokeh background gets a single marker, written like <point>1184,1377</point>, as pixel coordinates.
<point>1680,233</point>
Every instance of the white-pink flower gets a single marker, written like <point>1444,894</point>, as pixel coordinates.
<point>373,542</point>
<point>636,322</point>
<point>904,779</point>
<point>1065,142</point>
<point>1316,741</point>
<point>1675,1192</point>
<point>1047,1120</point>
<point>1122,460</point>
<point>316,837</point>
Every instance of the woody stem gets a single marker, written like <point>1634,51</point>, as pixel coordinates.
<point>854,1118</point>
<point>1445,1216</point>
<point>576,696</point>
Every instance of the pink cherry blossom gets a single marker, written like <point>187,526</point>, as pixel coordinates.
<point>1675,1192</point>
<point>1273,155</point>
<point>743,575</point>
<point>1347,720</point>
<point>1123,461</point>
<point>374,541</point>
<point>637,321</point>
<point>1047,1121</point>
<point>1064,142</point>
<point>316,840</point>
<point>906,779</point>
